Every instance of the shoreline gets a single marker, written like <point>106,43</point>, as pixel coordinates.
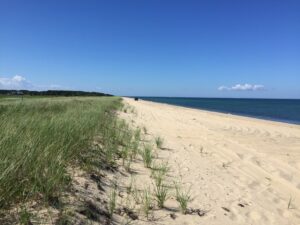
<point>266,119</point>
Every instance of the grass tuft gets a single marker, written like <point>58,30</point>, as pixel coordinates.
<point>25,216</point>
<point>147,156</point>
<point>162,168</point>
<point>145,130</point>
<point>112,200</point>
<point>146,202</point>
<point>159,142</point>
<point>183,198</point>
<point>161,190</point>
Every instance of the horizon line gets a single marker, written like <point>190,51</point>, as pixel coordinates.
<point>139,96</point>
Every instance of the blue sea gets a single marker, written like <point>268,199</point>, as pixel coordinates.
<point>283,110</point>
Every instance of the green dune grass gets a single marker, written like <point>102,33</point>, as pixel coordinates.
<point>41,137</point>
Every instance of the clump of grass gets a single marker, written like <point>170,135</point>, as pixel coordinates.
<point>134,148</point>
<point>136,195</point>
<point>123,133</point>
<point>125,108</point>
<point>145,130</point>
<point>160,188</point>
<point>112,200</point>
<point>132,110</point>
<point>135,142</point>
<point>160,169</point>
<point>25,216</point>
<point>146,202</point>
<point>126,155</point>
<point>159,142</point>
<point>147,156</point>
<point>137,134</point>
<point>161,194</point>
<point>65,218</point>
<point>127,165</point>
<point>182,197</point>
<point>129,141</point>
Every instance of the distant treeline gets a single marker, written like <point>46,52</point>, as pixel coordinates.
<point>52,93</point>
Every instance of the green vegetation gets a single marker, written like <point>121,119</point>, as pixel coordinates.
<point>25,216</point>
<point>147,156</point>
<point>112,200</point>
<point>127,158</point>
<point>41,137</point>
<point>137,134</point>
<point>128,109</point>
<point>159,142</point>
<point>160,188</point>
<point>160,169</point>
<point>182,197</point>
<point>161,194</point>
<point>145,130</point>
<point>50,93</point>
<point>146,202</point>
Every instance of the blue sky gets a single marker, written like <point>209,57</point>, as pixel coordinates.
<point>153,48</point>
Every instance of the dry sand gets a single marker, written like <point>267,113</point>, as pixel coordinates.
<point>241,170</point>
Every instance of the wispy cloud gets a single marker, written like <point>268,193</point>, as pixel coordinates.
<point>15,82</point>
<point>242,87</point>
<point>19,82</point>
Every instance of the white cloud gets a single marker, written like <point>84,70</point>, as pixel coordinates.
<point>18,78</point>
<point>223,88</point>
<point>242,87</point>
<point>15,82</point>
<point>18,82</point>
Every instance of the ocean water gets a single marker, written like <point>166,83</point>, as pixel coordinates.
<point>283,110</point>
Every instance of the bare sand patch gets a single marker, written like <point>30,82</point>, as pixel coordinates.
<point>241,170</point>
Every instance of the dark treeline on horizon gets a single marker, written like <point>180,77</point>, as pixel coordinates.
<point>52,93</point>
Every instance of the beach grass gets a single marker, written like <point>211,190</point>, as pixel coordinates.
<point>147,155</point>
<point>160,168</point>
<point>112,200</point>
<point>41,137</point>
<point>183,197</point>
<point>161,189</point>
<point>146,202</point>
<point>159,142</point>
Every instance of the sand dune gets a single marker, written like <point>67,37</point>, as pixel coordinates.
<point>241,170</point>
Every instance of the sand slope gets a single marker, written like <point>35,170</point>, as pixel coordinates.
<point>243,170</point>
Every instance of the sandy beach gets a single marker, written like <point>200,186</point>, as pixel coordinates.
<point>240,170</point>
